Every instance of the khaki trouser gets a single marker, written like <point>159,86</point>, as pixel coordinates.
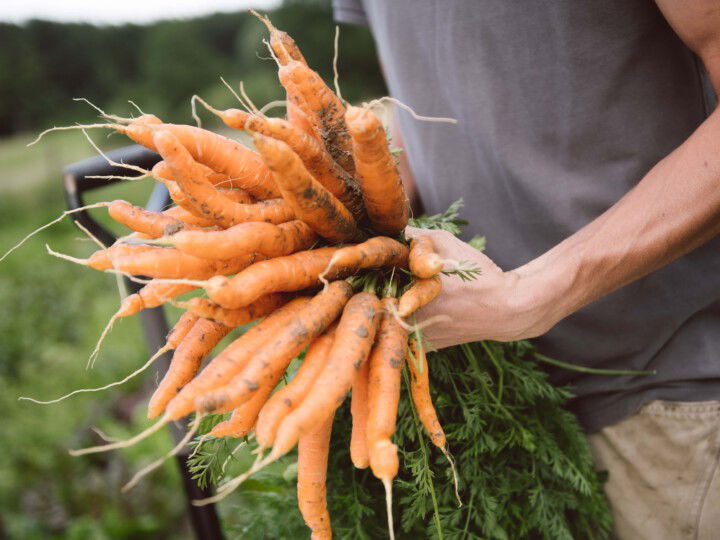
<point>664,471</point>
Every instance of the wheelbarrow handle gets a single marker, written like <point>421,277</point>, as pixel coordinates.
<point>76,183</point>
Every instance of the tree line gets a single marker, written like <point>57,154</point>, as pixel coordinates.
<point>44,65</point>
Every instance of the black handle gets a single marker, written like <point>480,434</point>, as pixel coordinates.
<point>76,182</point>
<point>204,519</point>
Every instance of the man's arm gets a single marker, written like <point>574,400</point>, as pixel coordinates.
<point>672,210</point>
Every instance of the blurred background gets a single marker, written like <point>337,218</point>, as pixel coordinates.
<point>52,311</point>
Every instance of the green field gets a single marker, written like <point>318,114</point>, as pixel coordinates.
<point>53,313</point>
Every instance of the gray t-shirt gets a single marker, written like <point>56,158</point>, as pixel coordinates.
<point>563,106</point>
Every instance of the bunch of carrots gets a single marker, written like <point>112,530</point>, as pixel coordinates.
<point>303,237</point>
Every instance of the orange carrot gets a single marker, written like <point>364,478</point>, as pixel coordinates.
<point>383,192</point>
<point>199,341</point>
<point>424,262</point>
<point>233,359</point>
<point>146,119</point>
<point>282,44</point>
<point>280,349</point>
<point>300,120</point>
<point>359,410</point>
<point>317,161</point>
<point>168,263</point>
<point>289,396</point>
<point>266,238</point>
<point>374,253</point>
<point>153,224</point>
<point>186,216</point>
<point>233,318</point>
<point>102,259</point>
<point>421,292</point>
<point>420,392</point>
<point>163,173</point>
<point>152,295</point>
<point>178,332</point>
<point>235,426</point>
<point>244,417</point>
<point>308,148</point>
<point>386,361</point>
<point>225,156</point>
<point>326,111</point>
<point>281,274</point>
<point>313,450</point>
<point>353,339</point>
<point>309,200</point>
<point>205,198</point>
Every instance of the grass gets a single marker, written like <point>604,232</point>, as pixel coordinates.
<point>52,314</point>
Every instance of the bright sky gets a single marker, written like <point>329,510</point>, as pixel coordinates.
<point>118,12</point>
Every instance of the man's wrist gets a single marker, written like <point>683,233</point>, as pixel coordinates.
<point>538,299</point>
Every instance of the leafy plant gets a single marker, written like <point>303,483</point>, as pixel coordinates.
<point>524,465</point>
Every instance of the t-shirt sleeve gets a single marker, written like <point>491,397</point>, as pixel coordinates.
<point>349,11</point>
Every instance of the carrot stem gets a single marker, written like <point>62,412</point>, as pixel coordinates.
<point>595,371</point>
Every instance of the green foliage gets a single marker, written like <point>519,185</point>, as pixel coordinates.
<point>478,242</point>
<point>524,465</point>
<point>465,270</point>
<point>449,220</point>
<point>161,65</point>
<point>53,314</point>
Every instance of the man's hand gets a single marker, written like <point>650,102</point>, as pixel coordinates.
<point>496,305</point>
<point>674,209</point>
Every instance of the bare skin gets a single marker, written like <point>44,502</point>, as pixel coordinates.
<point>672,210</point>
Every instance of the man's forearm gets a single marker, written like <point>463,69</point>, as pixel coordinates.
<point>672,210</point>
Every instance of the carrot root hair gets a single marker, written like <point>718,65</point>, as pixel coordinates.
<point>427,322</point>
<point>146,365</point>
<point>158,462</point>
<point>104,436</point>
<point>63,256</point>
<point>336,76</point>
<point>235,450</point>
<point>233,484</point>
<point>96,351</point>
<point>194,100</point>
<point>322,277</point>
<point>103,114</point>
<point>247,99</point>
<point>68,128</point>
<point>135,168</point>
<point>237,96</point>
<point>123,444</point>
<point>133,278</point>
<point>199,444</point>
<point>131,102</point>
<point>193,110</point>
<point>117,177</point>
<point>407,108</point>
<point>387,482</point>
<point>450,459</point>
<point>194,282</point>
<point>268,106</point>
<point>89,234</point>
<point>56,220</point>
